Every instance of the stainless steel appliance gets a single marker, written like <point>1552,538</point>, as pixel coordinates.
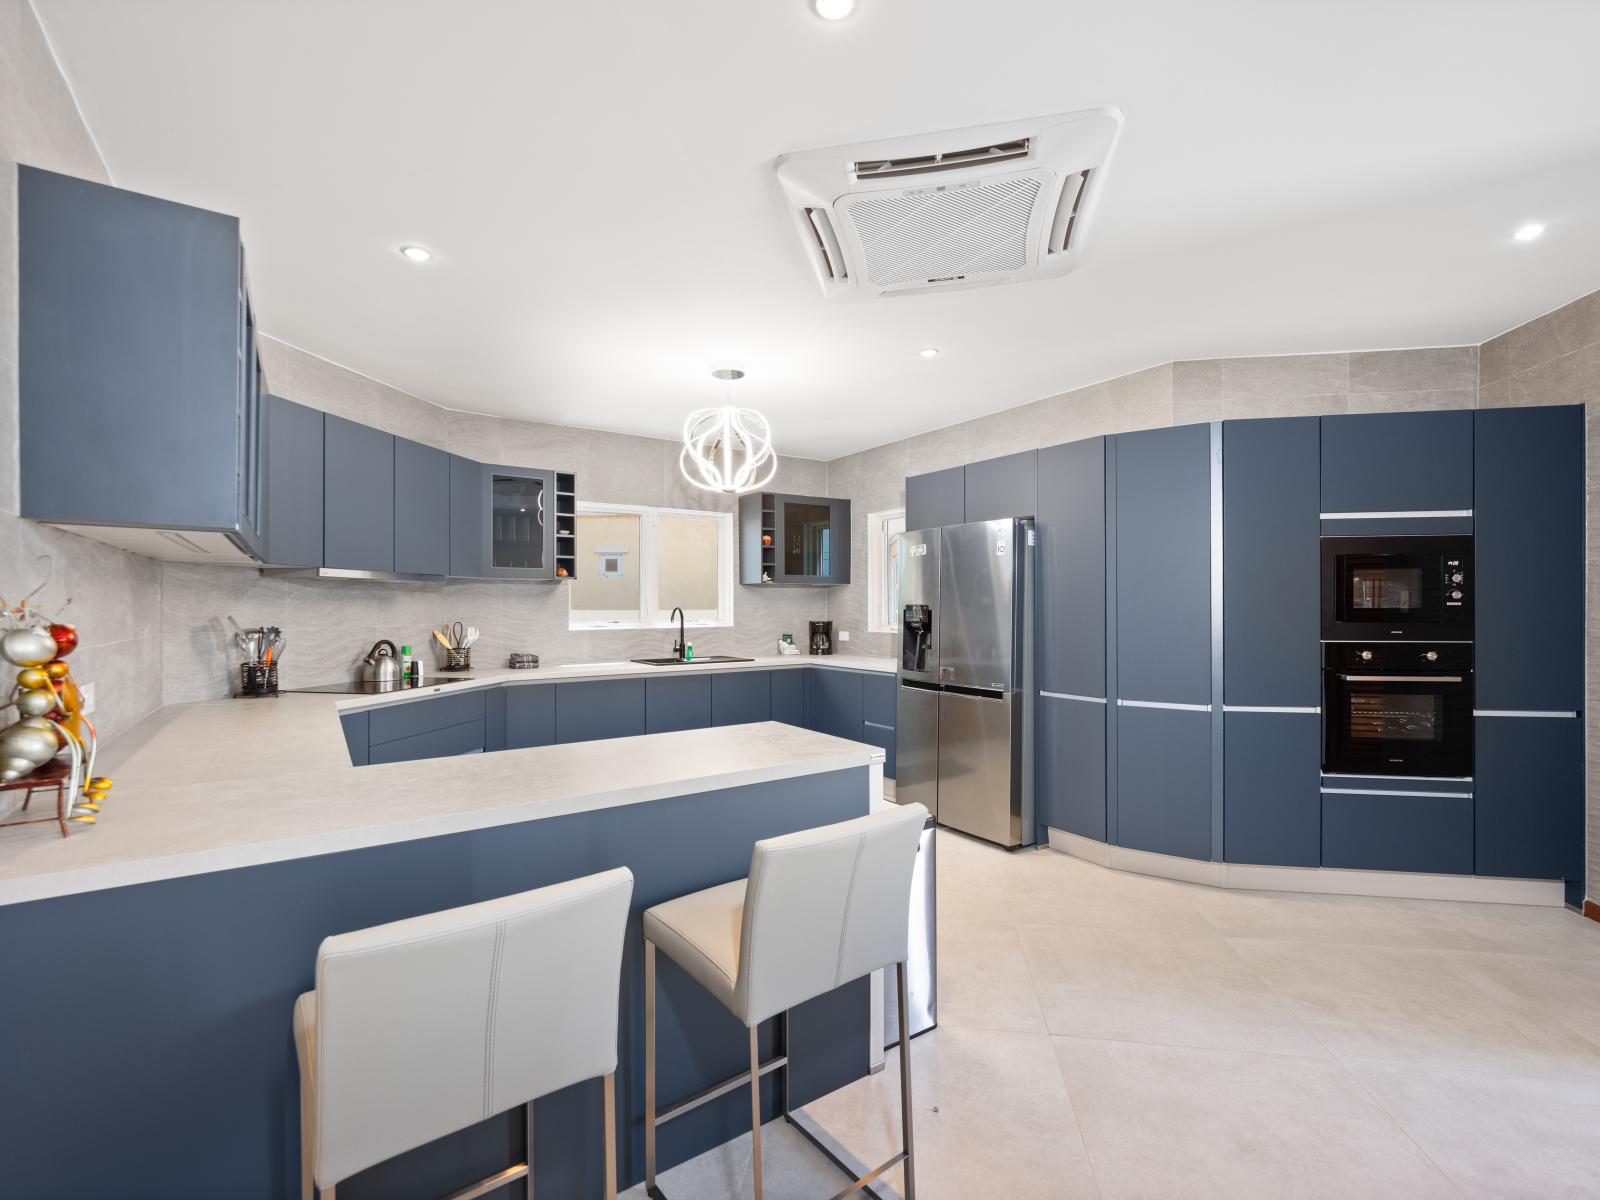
<point>1397,708</point>
<point>1402,588</point>
<point>964,725</point>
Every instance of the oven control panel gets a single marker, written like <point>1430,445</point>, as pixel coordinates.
<point>1455,583</point>
<point>1397,656</point>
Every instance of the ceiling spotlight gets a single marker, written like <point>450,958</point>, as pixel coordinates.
<point>417,253</point>
<point>1531,232</point>
<point>833,10</point>
<point>929,352</point>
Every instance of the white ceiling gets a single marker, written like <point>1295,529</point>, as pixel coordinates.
<point>594,177</point>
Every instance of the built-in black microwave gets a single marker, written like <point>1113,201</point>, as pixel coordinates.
<point>1410,588</point>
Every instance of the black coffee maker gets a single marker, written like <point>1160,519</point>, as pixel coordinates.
<point>822,637</point>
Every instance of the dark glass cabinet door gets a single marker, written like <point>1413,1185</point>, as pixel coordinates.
<point>519,542</point>
<point>813,536</point>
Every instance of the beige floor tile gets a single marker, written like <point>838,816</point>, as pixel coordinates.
<point>1178,989</point>
<point>992,1118</point>
<point>1441,1008</point>
<point>984,982</point>
<point>1169,1123</point>
<point>1495,1135</point>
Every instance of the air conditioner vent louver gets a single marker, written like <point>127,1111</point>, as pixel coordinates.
<point>906,215</point>
<point>940,236</point>
<point>927,164</point>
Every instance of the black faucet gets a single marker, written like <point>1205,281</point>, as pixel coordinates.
<point>681,647</point>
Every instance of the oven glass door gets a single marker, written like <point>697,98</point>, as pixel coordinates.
<point>1390,589</point>
<point>1397,724</point>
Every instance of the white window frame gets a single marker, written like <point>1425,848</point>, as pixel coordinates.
<point>650,577</point>
<point>879,618</point>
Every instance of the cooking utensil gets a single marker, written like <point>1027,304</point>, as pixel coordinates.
<point>456,634</point>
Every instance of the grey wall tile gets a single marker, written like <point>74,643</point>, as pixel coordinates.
<point>1286,375</point>
<point>1144,400</point>
<point>1411,401</point>
<point>1445,368</point>
<point>1237,407</point>
<point>1085,412</point>
<point>10,463</point>
<point>1494,360</point>
<point>408,416</point>
<point>1495,395</point>
<point>1557,333</point>
<point>198,657</point>
<point>1572,378</point>
<point>1197,391</point>
<point>317,383</point>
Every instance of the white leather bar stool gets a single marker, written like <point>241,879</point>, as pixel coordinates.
<point>820,908</point>
<point>422,1027</point>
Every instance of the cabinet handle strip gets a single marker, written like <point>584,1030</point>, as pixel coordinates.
<point>1519,712</point>
<point>1382,792</point>
<point>1268,708</point>
<point>1163,704</point>
<point>876,725</point>
<point>1395,516</point>
<point>1072,696</point>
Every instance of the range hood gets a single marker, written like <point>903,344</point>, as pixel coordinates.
<point>343,573</point>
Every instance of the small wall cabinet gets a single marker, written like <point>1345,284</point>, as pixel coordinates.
<point>511,522</point>
<point>936,499</point>
<point>793,541</point>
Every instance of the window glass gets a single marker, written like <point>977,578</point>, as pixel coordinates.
<point>606,590</point>
<point>687,571</point>
<point>636,564</point>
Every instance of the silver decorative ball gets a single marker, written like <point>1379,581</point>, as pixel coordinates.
<point>37,746</point>
<point>37,702</point>
<point>28,647</point>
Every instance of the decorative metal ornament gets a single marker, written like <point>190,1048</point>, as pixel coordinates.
<point>28,647</point>
<point>727,449</point>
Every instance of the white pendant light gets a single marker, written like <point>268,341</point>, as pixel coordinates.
<point>727,449</point>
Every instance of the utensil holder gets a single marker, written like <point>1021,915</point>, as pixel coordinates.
<point>458,660</point>
<point>258,679</point>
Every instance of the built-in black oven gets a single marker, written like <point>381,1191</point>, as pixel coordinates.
<point>1397,708</point>
<point>1412,588</point>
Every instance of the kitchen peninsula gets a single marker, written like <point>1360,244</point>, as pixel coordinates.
<point>241,835</point>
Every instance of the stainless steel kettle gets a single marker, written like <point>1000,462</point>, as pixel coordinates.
<point>382,663</point>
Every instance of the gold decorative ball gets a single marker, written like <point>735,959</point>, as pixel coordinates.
<point>57,669</point>
<point>101,783</point>
<point>33,677</point>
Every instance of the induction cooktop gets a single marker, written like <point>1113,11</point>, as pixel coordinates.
<point>363,687</point>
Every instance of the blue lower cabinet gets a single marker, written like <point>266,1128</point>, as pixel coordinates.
<point>356,738</point>
<point>878,699</point>
<point>789,688</point>
<point>881,736</point>
<point>599,708</point>
<point>1362,830</point>
<point>530,715</point>
<point>741,697</point>
<point>1272,802</point>
<point>1528,788</point>
<point>680,703</point>
<point>1164,780</point>
<point>393,721</point>
<point>834,704</point>
<point>494,720</point>
<point>1072,766</point>
<point>436,743</point>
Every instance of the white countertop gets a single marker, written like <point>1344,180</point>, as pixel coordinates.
<point>232,783</point>
<point>572,672</point>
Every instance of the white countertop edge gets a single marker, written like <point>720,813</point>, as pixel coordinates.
<point>577,672</point>
<point>202,862</point>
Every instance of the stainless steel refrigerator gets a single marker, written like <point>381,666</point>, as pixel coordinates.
<point>964,723</point>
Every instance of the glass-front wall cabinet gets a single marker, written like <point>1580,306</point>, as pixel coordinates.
<point>521,533</point>
<point>795,541</point>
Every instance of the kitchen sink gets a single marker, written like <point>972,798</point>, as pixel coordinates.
<point>675,661</point>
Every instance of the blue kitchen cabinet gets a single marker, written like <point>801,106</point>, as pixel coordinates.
<point>421,509</point>
<point>1000,487</point>
<point>1528,504</point>
<point>1071,778</point>
<point>789,688</point>
<point>138,380</point>
<point>516,523</point>
<point>436,743</point>
<point>358,496</point>
<point>1071,569</point>
<point>466,518</point>
<point>1272,811</point>
<point>530,715</point>
<point>741,697</point>
<point>834,704</point>
<point>878,693</point>
<point>1373,829</point>
<point>1164,781</point>
<point>1528,788</point>
<point>599,708</point>
<point>356,738</point>
<point>881,736</point>
<point>937,498</point>
<point>1271,581</point>
<point>677,702</point>
<point>494,720</point>
<point>389,722</point>
<point>291,483</point>
<point>1163,563</point>
<point>1397,462</point>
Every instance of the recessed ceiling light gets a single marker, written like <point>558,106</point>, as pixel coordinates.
<point>833,10</point>
<point>417,253</point>
<point>1531,232</point>
<point>929,352</point>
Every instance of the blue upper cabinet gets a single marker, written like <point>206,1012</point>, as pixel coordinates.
<point>421,509</point>
<point>1270,566</point>
<point>137,366</point>
<point>1397,462</point>
<point>1529,558</point>
<point>1071,558</point>
<point>358,497</point>
<point>518,523</point>
<point>291,483</point>
<point>937,498</point>
<point>999,487</point>
<point>1163,548</point>
<point>793,541</point>
<point>466,518</point>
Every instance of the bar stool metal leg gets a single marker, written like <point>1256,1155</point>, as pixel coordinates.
<point>611,1139</point>
<point>755,1105</point>
<point>650,1070</point>
<point>905,1086</point>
